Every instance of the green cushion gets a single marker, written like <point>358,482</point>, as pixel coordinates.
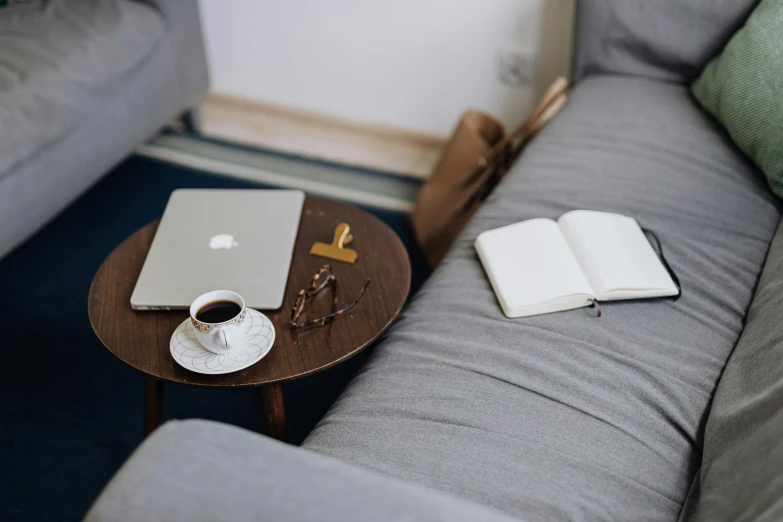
<point>743,89</point>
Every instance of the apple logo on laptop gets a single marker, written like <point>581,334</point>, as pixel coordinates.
<point>222,241</point>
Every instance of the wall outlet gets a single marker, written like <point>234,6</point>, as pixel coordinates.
<point>515,67</point>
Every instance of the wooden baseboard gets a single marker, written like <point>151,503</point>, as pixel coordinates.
<point>320,136</point>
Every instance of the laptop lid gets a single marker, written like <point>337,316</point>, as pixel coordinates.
<point>240,240</point>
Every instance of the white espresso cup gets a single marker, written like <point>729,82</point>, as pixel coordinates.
<point>226,335</point>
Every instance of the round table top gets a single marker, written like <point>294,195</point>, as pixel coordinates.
<point>141,338</point>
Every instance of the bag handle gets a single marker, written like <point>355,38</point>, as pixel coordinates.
<point>543,110</point>
<point>537,124</point>
<point>550,104</point>
<point>502,155</point>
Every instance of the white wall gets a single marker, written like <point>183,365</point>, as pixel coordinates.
<point>409,64</point>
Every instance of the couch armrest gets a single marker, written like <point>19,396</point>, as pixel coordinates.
<point>186,41</point>
<point>205,471</point>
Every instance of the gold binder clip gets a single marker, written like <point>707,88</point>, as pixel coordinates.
<point>336,250</point>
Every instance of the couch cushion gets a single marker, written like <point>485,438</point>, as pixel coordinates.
<point>58,62</point>
<point>741,476</point>
<point>663,39</point>
<point>568,416</point>
<point>743,89</point>
<point>198,471</point>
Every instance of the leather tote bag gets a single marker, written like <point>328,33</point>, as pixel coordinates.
<point>472,163</point>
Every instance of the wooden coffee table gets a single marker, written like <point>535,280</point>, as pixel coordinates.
<point>141,339</point>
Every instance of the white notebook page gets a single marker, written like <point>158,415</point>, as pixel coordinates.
<point>530,263</point>
<point>615,255</point>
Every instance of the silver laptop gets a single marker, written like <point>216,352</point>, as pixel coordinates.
<point>240,240</point>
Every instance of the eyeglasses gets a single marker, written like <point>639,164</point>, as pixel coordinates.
<point>321,280</point>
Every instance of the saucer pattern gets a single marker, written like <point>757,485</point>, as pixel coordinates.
<point>188,352</point>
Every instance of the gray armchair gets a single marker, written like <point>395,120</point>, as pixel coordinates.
<point>82,83</point>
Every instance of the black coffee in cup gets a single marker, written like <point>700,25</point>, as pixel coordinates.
<point>218,312</point>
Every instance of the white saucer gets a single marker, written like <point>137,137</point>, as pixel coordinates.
<point>191,355</point>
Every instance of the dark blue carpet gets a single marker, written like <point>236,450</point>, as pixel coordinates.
<point>71,412</point>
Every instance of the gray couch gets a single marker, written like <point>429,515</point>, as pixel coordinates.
<point>82,83</point>
<point>658,410</point>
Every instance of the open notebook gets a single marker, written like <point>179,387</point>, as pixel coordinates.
<point>541,266</point>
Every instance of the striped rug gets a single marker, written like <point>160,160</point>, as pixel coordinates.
<point>361,186</point>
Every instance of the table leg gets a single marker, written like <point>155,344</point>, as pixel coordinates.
<point>153,404</point>
<point>274,411</point>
